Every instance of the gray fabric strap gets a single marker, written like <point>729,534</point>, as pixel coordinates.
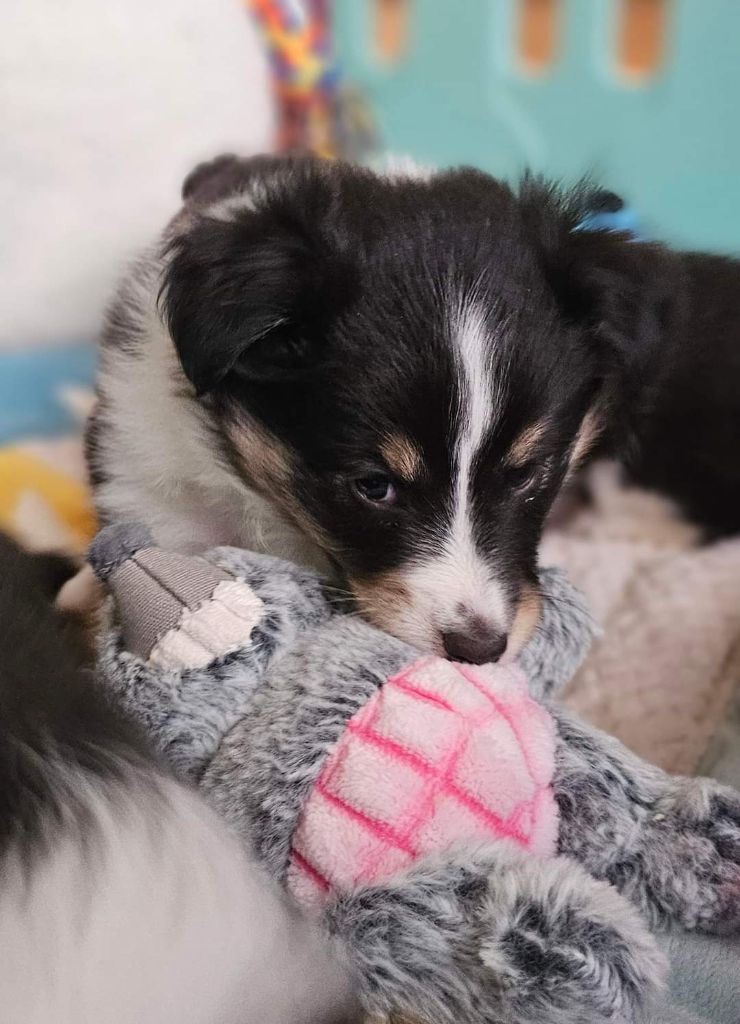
<point>191,580</point>
<point>152,589</point>
<point>145,610</point>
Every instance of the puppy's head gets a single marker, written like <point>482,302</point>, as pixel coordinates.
<point>408,367</point>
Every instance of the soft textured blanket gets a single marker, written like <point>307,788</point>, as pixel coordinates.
<point>662,675</point>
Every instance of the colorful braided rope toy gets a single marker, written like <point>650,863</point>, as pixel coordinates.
<point>317,110</point>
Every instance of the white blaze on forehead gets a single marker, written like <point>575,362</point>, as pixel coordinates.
<point>482,594</point>
<point>475,408</point>
<point>457,580</point>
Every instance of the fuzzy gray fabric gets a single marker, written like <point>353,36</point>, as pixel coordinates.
<point>266,766</point>
<point>493,936</point>
<point>489,935</point>
<point>111,548</point>
<point>670,844</point>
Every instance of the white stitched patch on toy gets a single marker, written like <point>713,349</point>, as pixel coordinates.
<point>221,625</point>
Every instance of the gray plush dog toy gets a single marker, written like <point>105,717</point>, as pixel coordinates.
<point>482,855</point>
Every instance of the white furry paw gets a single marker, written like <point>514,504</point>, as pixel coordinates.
<point>570,948</point>
<point>499,936</point>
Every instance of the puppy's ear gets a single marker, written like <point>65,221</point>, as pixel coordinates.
<point>247,288</point>
<point>620,290</point>
<point>227,175</point>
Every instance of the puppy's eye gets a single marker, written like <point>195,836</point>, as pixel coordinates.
<point>377,489</point>
<point>521,477</point>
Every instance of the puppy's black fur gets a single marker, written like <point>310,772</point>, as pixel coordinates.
<point>50,708</point>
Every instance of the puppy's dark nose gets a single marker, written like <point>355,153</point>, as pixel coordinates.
<point>478,643</point>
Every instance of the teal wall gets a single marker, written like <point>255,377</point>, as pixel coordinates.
<point>670,146</point>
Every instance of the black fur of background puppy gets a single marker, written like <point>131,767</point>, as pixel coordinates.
<point>123,899</point>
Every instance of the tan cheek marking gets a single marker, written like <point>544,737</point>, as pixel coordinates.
<point>591,427</point>
<point>381,598</point>
<point>525,621</point>
<point>268,466</point>
<point>402,456</point>
<point>524,448</point>
<point>265,461</point>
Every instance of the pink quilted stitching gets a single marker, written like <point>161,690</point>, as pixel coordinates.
<point>378,828</point>
<point>438,776</point>
<point>311,871</point>
<point>424,817</point>
<point>501,710</point>
<point>441,776</point>
<point>401,683</point>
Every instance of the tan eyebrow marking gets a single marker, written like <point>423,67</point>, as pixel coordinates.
<point>381,598</point>
<point>265,461</point>
<point>524,447</point>
<point>402,456</point>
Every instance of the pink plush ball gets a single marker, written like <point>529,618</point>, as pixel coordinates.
<point>441,754</point>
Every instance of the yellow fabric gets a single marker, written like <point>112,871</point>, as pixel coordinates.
<point>39,501</point>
